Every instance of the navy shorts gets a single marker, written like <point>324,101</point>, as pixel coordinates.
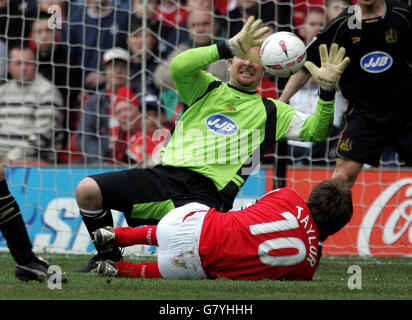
<point>146,195</point>
<point>364,138</point>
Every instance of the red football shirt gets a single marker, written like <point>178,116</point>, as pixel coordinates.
<point>276,238</point>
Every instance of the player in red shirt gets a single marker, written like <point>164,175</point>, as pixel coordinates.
<point>277,237</point>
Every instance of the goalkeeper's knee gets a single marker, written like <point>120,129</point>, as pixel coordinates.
<point>88,195</point>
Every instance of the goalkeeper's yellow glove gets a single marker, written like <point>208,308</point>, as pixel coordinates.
<point>249,37</point>
<point>332,66</point>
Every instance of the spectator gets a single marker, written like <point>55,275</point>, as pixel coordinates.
<point>221,6</point>
<point>301,9</point>
<point>58,13</point>
<point>199,5</point>
<point>171,16</point>
<point>13,28</point>
<point>313,24</point>
<point>14,25</point>
<point>55,64</point>
<point>97,127</point>
<point>129,146</point>
<point>135,44</point>
<point>160,118</point>
<point>203,30</point>
<point>45,5</point>
<point>152,8</point>
<point>305,101</point>
<point>167,34</point>
<point>208,6</point>
<point>30,111</point>
<point>246,8</point>
<point>267,10</point>
<point>92,30</point>
<point>335,7</point>
<point>171,13</point>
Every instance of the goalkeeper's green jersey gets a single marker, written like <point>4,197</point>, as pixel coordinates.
<point>225,131</point>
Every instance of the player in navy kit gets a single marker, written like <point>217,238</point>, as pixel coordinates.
<point>13,229</point>
<point>377,82</point>
<point>275,238</point>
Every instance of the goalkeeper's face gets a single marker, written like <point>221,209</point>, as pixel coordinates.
<point>245,74</point>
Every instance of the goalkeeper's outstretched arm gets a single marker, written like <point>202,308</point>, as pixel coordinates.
<point>333,63</point>
<point>316,127</point>
<point>186,69</point>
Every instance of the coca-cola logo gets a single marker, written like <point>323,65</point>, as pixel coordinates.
<point>387,228</point>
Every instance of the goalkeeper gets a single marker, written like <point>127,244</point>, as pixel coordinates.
<point>217,141</point>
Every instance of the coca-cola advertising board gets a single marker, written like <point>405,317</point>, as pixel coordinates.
<point>382,220</point>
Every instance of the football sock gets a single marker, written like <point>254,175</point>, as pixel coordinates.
<point>138,270</point>
<point>96,219</point>
<point>13,228</point>
<point>128,236</point>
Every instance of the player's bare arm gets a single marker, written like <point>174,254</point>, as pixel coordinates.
<point>294,84</point>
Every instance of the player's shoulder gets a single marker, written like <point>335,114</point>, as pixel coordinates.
<point>292,192</point>
<point>332,30</point>
<point>281,200</point>
<point>285,193</point>
<point>402,11</point>
<point>340,21</point>
<point>398,5</point>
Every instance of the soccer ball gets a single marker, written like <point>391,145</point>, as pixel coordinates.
<point>283,54</point>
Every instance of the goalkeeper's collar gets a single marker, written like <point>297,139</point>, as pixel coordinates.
<point>242,90</point>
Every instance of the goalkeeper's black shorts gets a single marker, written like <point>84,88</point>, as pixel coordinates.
<point>146,195</point>
<point>364,137</point>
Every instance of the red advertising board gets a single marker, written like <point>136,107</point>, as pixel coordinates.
<point>382,220</point>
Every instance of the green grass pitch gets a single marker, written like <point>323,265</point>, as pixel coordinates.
<point>380,278</point>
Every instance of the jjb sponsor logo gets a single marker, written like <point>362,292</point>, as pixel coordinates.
<point>376,62</point>
<point>221,124</point>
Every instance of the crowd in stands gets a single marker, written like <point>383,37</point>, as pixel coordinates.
<point>75,81</point>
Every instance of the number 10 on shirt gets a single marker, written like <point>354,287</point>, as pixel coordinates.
<point>264,249</point>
